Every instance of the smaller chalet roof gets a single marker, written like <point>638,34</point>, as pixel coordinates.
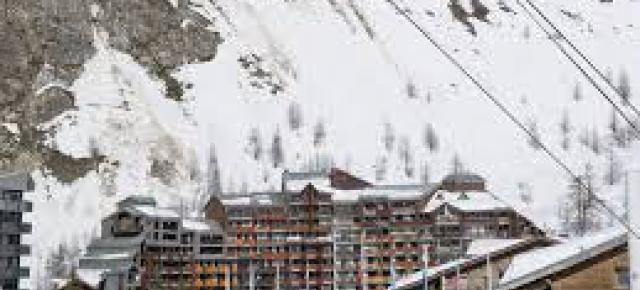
<point>533,265</point>
<point>463,177</point>
<point>466,201</point>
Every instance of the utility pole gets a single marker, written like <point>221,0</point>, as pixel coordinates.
<point>489,274</point>
<point>634,222</point>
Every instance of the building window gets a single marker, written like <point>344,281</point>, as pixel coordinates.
<point>623,278</point>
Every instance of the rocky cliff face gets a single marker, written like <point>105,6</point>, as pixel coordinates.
<point>45,45</point>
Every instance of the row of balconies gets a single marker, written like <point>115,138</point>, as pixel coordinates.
<point>13,227</point>
<point>14,250</point>
<point>16,205</point>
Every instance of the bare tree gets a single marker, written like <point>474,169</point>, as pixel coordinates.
<point>565,130</point>
<point>214,185</point>
<point>319,133</point>
<point>388,136</point>
<point>624,88</point>
<point>580,213</point>
<point>406,156</point>
<point>424,173</point>
<point>254,148</point>
<point>381,168</point>
<point>277,153</point>
<point>534,141</point>
<point>577,93</point>
<point>430,139</point>
<point>614,168</point>
<point>294,116</point>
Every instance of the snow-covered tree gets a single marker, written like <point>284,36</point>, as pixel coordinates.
<point>524,191</point>
<point>294,116</point>
<point>579,213</point>
<point>595,141</point>
<point>456,164</point>
<point>214,185</point>
<point>277,152</point>
<point>254,148</point>
<point>319,133</point>
<point>430,139</point>
<point>388,136</point>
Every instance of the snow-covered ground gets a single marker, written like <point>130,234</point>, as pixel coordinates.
<point>353,65</point>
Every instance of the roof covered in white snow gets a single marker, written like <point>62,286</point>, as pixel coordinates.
<point>481,247</point>
<point>156,211</point>
<point>91,277</point>
<point>466,201</point>
<point>533,265</point>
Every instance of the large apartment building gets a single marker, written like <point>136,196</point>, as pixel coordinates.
<point>12,227</point>
<point>143,246</point>
<point>337,231</point>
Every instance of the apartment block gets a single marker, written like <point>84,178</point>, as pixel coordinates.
<point>12,227</point>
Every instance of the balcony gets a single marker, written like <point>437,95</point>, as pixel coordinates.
<point>13,227</point>
<point>16,205</point>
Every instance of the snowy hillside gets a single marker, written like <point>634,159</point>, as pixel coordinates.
<point>359,76</point>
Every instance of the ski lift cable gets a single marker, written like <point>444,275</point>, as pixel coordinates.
<point>556,159</point>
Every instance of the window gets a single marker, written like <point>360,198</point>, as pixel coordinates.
<point>623,278</point>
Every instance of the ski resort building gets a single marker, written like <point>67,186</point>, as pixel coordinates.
<point>12,227</point>
<point>143,246</point>
<point>337,231</point>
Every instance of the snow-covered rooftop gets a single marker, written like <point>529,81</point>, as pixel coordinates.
<point>321,184</point>
<point>466,201</point>
<point>157,212</point>
<point>529,266</point>
<point>418,277</point>
<point>91,277</point>
<point>200,226</point>
<point>354,195</point>
<point>482,247</point>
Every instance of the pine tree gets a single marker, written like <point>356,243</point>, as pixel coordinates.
<point>319,134</point>
<point>595,141</point>
<point>214,185</point>
<point>388,136</point>
<point>277,154</point>
<point>456,164</point>
<point>294,116</point>
<point>254,147</point>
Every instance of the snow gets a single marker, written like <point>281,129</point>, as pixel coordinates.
<point>320,184</point>
<point>418,277</point>
<point>195,225</point>
<point>354,195</point>
<point>354,85</point>
<point>466,201</point>
<point>526,264</point>
<point>245,200</point>
<point>157,212</point>
<point>482,247</point>
<point>91,277</point>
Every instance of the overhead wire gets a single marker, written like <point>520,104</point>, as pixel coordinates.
<point>574,47</point>
<point>556,159</point>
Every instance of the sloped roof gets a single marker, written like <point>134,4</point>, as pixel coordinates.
<point>466,201</point>
<point>463,177</point>
<point>530,266</point>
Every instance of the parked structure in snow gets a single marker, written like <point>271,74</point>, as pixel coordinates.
<point>337,231</point>
<point>12,227</point>
<point>143,246</point>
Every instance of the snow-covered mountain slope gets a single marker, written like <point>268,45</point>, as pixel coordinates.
<point>353,66</point>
